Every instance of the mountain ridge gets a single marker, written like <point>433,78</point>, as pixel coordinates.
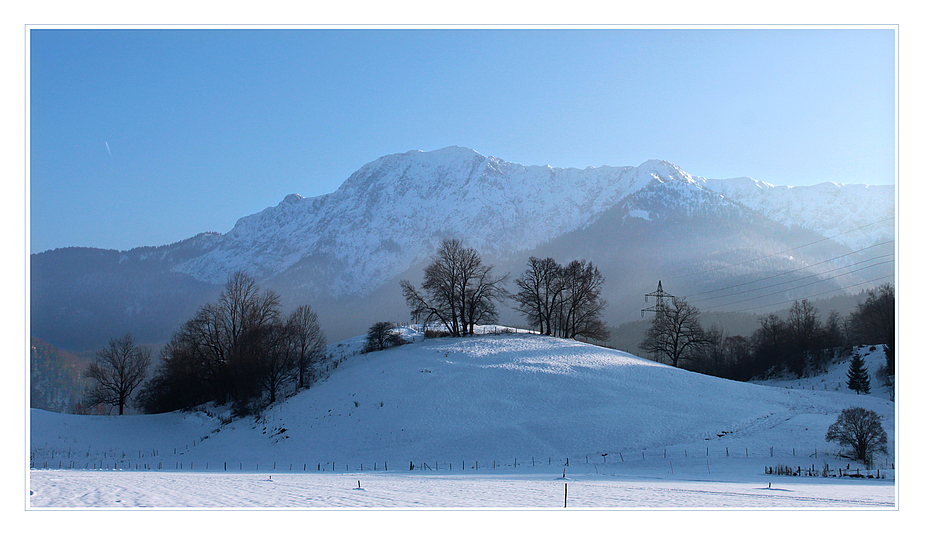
<point>343,249</point>
<point>498,205</point>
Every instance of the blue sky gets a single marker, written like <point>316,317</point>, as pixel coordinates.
<point>149,136</point>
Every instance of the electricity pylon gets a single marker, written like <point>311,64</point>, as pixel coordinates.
<point>659,307</point>
<point>660,297</point>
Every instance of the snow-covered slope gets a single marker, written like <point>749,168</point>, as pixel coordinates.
<point>485,398</point>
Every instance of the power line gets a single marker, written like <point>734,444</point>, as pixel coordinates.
<point>801,278</point>
<point>803,286</point>
<point>780,252</point>
<point>797,269</point>
<point>630,311</point>
<point>862,283</point>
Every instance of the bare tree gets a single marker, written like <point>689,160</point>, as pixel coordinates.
<point>483,294</point>
<point>711,356</point>
<point>805,331</point>
<point>275,357</point>
<point>564,302</point>
<point>181,380</point>
<point>540,288</point>
<point>116,372</point>
<point>769,344</point>
<point>238,349</point>
<point>458,290</point>
<point>874,322</point>
<point>309,343</point>
<point>223,334</point>
<point>675,332</point>
<point>861,430</point>
<point>580,306</point>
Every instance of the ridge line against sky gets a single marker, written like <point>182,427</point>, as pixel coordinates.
<point>147,137</point>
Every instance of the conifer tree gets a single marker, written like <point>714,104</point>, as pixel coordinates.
<point>858,379</point>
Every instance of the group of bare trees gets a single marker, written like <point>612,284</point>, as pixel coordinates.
<point>562,301</point>
<point>239,349</point>
<point>800,343</point>
<point>460,291</point>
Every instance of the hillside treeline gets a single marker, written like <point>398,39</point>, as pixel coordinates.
<point>801,343</point>
<point>240,349</point>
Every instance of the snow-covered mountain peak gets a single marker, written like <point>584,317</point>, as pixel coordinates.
<point>402,170</point>
<point>663,171</point>
<point>745,182</point>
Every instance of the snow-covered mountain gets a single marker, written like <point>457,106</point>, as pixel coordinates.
<point>391,214</point>
<point>832,210</point>
<point>388,217</point>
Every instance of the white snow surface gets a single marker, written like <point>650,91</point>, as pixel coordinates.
<point>488,421</point>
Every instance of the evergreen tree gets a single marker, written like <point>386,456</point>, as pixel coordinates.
<point>858,379</point>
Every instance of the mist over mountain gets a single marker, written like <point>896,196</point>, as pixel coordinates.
<point>343,253</point>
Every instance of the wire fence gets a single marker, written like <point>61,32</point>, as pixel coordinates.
<point>790,461</point>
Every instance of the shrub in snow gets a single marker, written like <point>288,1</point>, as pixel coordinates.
<point>381,336</point>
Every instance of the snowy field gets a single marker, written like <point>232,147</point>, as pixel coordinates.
<point>487,423</point>
<point>114,489</point>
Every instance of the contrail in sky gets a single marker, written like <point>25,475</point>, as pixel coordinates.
<point>107,149</point>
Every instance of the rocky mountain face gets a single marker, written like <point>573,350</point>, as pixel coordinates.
<point>344,252</point>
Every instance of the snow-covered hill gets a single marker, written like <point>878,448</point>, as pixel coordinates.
<point>482,399</point>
